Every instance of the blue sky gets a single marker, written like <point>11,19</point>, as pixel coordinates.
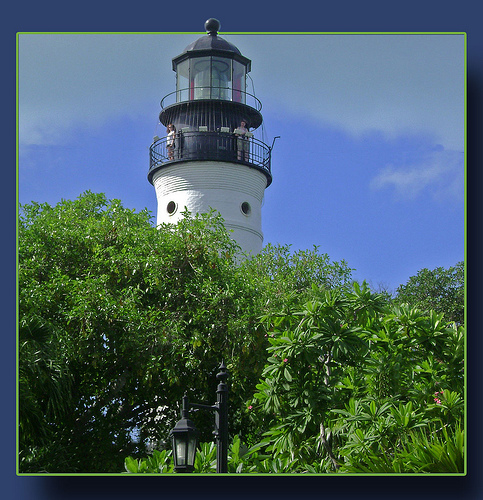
<point>369,165</point>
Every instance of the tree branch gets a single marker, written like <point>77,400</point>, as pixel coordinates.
<point>327,447</point>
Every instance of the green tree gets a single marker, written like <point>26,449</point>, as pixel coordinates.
<point>135,315</point>
<point>440,290</point>
<point>117,319</point>
<point>44,385</point>
<point>350,377</point>
<point>284,277</point>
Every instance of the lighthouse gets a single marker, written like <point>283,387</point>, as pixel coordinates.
<point>210,157</point>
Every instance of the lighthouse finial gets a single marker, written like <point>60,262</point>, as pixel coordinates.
<point>212,26</point>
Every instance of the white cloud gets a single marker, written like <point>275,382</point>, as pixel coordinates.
<point>439,174</point>
<point>390,83</point>
<point>362,83</point>
<point>74,80</point>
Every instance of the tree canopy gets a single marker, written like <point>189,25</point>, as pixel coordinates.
<point>441,290</point>
<point>350,382</point>
<point>117,319</point>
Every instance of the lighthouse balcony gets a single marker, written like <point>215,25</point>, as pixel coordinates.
<point>209,92</point>
<point>201,145</point>
<point>211,106</point>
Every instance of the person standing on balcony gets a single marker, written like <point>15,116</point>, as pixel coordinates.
<point>242,143</point>
<point>170,143</point>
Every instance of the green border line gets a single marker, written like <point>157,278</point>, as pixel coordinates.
<point>120,474</point>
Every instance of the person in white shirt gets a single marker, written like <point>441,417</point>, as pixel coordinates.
<point>170,143</point>
<point>242,143</point>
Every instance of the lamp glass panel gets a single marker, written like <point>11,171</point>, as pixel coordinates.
<point>221,78</point>
<point>181,449</point>
<point>200,77</point>
<point>239,81</point>
<point>191,449</point>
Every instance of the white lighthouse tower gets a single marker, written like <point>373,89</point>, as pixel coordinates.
<point>211,159</point>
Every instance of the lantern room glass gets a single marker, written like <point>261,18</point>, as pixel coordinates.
<point>221,78</point>
<point>200,78</point>
<point>210,77</point>
<point>182,81</point>
<point>239,81</point>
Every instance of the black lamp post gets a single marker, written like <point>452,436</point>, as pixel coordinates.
<point>185,435</point>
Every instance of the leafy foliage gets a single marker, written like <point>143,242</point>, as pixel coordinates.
<point>284,277</point>
<point>117,319</point>
<point>353,384</point>
<point>350,377</point>
<point>44,381</point>
<point>441,290</point>
<point>240,460</point>
<point>137,315</point>
<point>158,462</point>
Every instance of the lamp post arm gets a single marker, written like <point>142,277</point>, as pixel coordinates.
<point>204,407</point>
<point>221,426</point>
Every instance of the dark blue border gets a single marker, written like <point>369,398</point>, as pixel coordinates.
<point>239,16</point>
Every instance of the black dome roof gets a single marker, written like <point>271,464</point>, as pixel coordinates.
<point>212,44</point>
<point>212,41</point>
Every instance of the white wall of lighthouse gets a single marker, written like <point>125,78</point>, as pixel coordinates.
<point>235,191</point>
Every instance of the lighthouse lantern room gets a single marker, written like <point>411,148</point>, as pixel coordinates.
<point>210,157</point>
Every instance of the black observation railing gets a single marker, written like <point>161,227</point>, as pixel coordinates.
<point>207,92</point>
<point>218,146</point>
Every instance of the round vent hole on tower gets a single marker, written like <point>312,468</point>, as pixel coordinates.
<point>171,207</point>
<point>246,208</point>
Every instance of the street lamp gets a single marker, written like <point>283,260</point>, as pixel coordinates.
<point>185,438</point>
<point>185,435</point>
